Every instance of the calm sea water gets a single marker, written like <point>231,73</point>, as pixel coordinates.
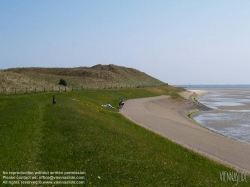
<point>231,111</point>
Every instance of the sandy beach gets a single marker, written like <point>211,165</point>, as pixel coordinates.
<point>167,118</point>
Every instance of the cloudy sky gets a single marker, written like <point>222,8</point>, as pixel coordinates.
<point>176,41</point>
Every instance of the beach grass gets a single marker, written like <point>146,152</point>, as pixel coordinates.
<point>78,134</point>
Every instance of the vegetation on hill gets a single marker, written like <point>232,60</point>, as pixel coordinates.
<point>80,77</point>
<point>78,134</point>
<point>63,82</point>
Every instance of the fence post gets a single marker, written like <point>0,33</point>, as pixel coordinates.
<point>54,99</point>
<point>15,90</point>
<point>72,87</point>
<point>65,88</point>
<point>44,88</point>
<point>35,89</point>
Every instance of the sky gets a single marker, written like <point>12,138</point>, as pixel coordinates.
<point>175,41</point>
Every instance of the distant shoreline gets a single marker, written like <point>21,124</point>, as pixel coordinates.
<point>229,116</point>
<point>214,86</point>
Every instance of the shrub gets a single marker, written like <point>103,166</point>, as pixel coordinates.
<point>62,82</point>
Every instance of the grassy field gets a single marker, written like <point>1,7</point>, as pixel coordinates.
<point>77,134</point>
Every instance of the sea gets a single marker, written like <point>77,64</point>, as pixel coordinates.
<point>230,114</point>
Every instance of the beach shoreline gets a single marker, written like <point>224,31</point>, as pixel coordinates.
<point>168,118</point>
<point>229,115</point>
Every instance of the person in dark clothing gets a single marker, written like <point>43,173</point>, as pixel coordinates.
<point>121,103</point>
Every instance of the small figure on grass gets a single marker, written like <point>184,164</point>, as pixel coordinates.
<point>54,99</point>
<point>108,105</point>
<point>121,103</point>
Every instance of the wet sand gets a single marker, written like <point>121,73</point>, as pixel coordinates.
<point>167,118</point>
<point>230,115</point>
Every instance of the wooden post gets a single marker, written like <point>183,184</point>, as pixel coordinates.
<point>15,90</point>
<point>54,99</point>
<point>65,88</point>
<point>26,89</point>
<point>44,88</point>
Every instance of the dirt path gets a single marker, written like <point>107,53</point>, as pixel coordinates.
<point>167,118</point>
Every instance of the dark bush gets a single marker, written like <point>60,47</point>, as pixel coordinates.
<point>63,82</point>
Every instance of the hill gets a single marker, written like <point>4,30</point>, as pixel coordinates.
<point>98,76</point>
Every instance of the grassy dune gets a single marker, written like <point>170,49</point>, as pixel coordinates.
<point>77,134</point>
<point>28,79</point>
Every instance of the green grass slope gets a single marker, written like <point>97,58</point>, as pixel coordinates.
<point>78,134</point>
